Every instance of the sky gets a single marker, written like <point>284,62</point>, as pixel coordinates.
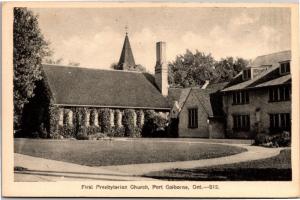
<point>94,37</point>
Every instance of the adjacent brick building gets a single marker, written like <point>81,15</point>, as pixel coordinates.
<point>258,100</point>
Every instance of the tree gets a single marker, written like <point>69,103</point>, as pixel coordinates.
<point>227,68</point>
<point>191,69</point>
<point>138,67</point>
<point>29,49</point>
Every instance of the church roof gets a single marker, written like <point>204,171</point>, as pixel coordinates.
<point>75,86</point>
<point>126,59</point>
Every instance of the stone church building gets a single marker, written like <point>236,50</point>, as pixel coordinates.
<point>69,98</point>
<point>79,94</point>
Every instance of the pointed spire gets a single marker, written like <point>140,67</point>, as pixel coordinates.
<point>126,59</point>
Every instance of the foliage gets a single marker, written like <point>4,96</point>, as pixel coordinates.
<point>155,125</point>
<point>262,139</point>
<point>117,132</point>
<point>229,67</point>
<point>92,130</point>
<point>105,120</point>
<point>82,136</point>
<point>67,131</point>
<point>29,48</point>
<point>92,116</point>
<point>193,69</point>
<point>128,121</point>
<point>53,120</point>
<point>278,140</point>
<point>139,115</point>
<point>138,67</point>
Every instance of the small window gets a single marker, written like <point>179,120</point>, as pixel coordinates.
<point>282,93</point>
<point>241,97</point>
<point>241,122</point>
<point>280,121</point>
<point>193,117</point>
<point>285,68</point>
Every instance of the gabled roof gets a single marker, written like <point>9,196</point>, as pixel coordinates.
<point>206,98</point>
<point>273,60</point>
<point>277,81</point>
<point>177,94</point>
<point>217,86</point>
<point>102,88</point>
<point>126,59</point>
<point>203,96</point>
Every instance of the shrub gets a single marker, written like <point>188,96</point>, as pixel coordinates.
<point>96,136</point>
<point>155,125</point>
<point>90,130</point>
<point>148,127</point>
<point>53,119</point>
<point>139,115</point>
<point>105,120</point>
<point>282,140</point>
<point>67,131</point>
<point>278,140</point>
<point>56,136</point>
<point>129,124</point>
<point>42,131</point>
<point>82,136</point>
<point>34,134</point>
<point>262,139</point>
<point>92,116</point>
<point>117,132</point>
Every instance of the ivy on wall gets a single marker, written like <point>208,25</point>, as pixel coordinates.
<point>140,120</point>
<point>132,126</point>
<point>129,121</point>
<point>105,120</point>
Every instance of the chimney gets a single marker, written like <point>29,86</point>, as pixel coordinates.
<point>161,68</point>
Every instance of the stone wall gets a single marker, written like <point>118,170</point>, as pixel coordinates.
<point>258,102</point>
<point>203,130</point>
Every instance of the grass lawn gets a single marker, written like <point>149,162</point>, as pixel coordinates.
<point>118,152</point>
<point>276,168</point>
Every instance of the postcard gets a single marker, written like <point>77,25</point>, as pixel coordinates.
<point>128,99</point>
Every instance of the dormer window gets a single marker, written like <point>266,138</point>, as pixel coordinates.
<point>285,67</point>
<point>246,74</point>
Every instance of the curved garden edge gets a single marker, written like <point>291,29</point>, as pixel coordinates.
<point>120,152</point>
<point>252,153</point>
<point>134,170</point>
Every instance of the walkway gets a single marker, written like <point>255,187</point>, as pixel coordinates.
<point>39,169</point>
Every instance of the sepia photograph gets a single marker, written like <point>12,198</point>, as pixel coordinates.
<point>135,93</point>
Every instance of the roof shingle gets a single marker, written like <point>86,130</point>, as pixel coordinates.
<point>273,60</point>
<point>102,88</point>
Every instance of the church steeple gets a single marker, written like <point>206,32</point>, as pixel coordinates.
<point>126,59</point>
